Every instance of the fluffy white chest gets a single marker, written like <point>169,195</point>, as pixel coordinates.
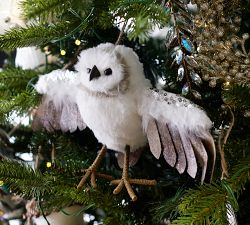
<point>114,120</point>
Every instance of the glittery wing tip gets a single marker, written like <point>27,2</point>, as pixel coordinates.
<point>180,131</point>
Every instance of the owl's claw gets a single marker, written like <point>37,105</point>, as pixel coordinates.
<point>125,181</point>
<point>91,171</point>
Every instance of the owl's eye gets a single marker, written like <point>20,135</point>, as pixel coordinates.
<point>108,72</point>
<point>88,70</point>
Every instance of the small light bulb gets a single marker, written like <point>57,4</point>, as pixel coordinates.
<point>48,164</point>
<point>63,52</point>
<point>77,42</point>
<point>1,213</point>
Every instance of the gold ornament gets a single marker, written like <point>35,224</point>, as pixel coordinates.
<point>226,86</point>
<point>222,55</point>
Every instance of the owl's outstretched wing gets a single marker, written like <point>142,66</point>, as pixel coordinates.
<point>178,129</point>
<point>58,109</point>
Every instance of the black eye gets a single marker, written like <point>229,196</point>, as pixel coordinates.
<point>108,72</point>
<point>88,70</point>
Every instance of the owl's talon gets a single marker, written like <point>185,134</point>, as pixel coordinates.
<point>119,187</point>
<point>125,181</point>
<point>92,180</point>
<point>91,171</point>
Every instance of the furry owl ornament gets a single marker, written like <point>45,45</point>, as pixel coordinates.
<point>110,94</point>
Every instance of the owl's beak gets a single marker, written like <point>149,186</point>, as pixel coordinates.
<point>94,74</point>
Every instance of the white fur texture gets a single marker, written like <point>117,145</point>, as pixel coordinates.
<point>173,110</point>
<point>120,120</point>
<point>57,85</point>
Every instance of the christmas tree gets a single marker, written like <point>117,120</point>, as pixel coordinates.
<point>199,49</point>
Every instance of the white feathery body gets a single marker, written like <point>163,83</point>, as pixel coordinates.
<point>119,117</point>
<point>115,121</point>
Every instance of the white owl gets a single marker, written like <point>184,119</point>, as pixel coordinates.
<point>110,94</point>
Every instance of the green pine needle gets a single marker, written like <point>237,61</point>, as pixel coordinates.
<point>44,9</point>
<point>20,103</point>
<point>34,35</point>
<point>238,96</point>
<point>145,15</point>
<point>209,203</point>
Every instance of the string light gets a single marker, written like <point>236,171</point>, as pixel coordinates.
<point>1,213</point>
<point>46,50</point>
<point>77,42</point>
<point>48,164</point>
<point>63,52</point>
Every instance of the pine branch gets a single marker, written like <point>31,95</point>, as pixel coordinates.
<point>20,103</point>
<point>35,34</point>
<point>21,178</point>
<point>56,192</point>
<point>238,96</point>
<point>15,80</point>
<point>209,204</point>
<point>203,206</point>
<point>133,8</point>
<point>168,208</point>
<point>17,73</point>
<point>43,9</point>
<point>55,10</point>
<point>145,14</point>
<point>241,175</point>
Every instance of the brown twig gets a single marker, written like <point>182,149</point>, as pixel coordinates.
<point>121,34</point>
<point>73,60</point>
<point>38,158</point>
<point>221,146</point>
<point>53,153</point>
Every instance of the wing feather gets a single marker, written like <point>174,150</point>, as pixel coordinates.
<point>183,129</point>
<point>189,153</point>
<point>167,144</point>
<point>208,142</point>
<point>58,109</point>
<point>153,138</point>
<point>181,158</point>
<point>200,153</point>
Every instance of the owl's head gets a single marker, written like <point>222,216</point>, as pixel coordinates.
<point>105,67</point>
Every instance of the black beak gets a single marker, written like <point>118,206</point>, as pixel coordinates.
<point>94,74</point>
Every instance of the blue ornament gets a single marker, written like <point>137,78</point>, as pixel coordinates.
<point>187,44</point>
<point>4,188</point>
